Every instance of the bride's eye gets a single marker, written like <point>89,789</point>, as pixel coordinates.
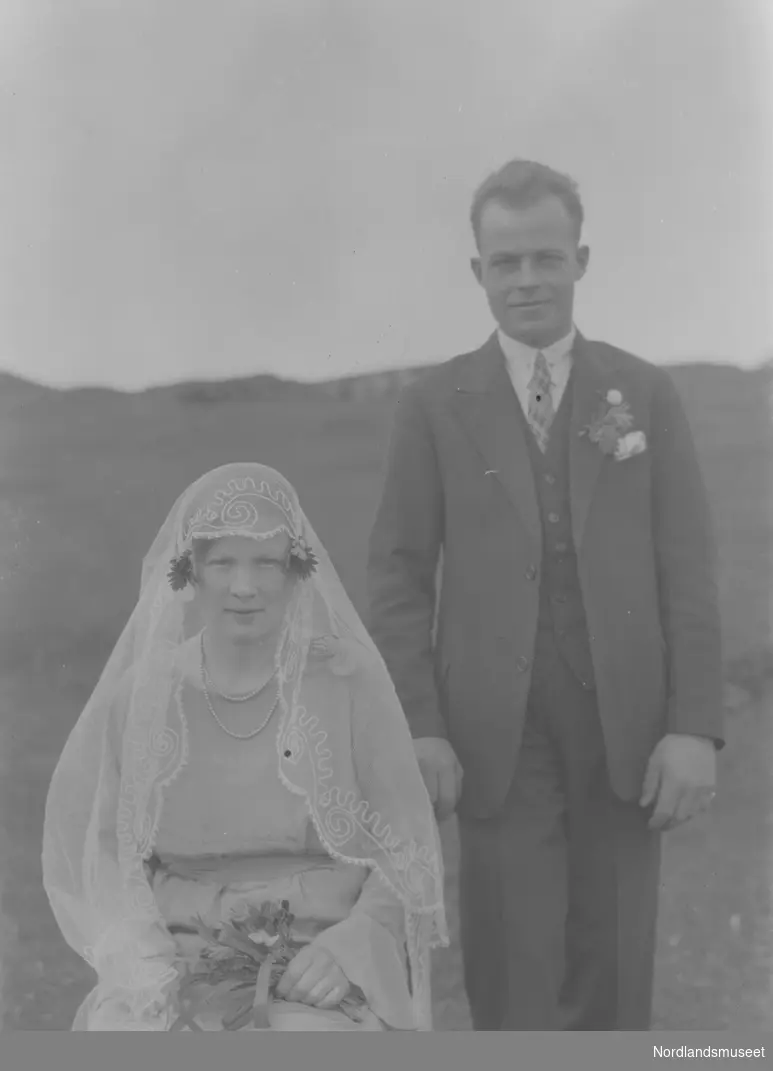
<point>270,568</point>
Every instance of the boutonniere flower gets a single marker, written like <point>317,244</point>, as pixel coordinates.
<point>611,428</point>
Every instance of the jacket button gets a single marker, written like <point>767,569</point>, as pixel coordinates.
<point>522,663</point>
<point>531,573</point>
<point>553,518</point>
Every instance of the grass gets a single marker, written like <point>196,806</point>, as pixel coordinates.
<point>85,481</point>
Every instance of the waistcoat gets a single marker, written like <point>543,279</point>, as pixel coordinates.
<point>561,610</point>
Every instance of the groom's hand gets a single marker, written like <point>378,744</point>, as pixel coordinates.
<point>441,772</point>
<point>680,779</point>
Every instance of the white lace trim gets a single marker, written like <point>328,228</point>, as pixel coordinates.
<point>233,510</point>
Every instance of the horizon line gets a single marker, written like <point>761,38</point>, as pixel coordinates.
<point>64,386</point>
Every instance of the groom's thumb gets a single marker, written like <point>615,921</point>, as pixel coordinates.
<point>429,773</point>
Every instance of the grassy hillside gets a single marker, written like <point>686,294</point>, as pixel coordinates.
<point>86,478</point>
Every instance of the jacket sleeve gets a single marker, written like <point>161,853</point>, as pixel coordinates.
<point>686,563</point>
<point>403,560</point>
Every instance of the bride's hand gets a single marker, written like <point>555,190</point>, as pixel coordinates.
<point>313,977</point>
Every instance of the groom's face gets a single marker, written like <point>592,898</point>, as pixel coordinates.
<point>529,261</point>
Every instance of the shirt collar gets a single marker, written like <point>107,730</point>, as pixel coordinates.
<point>516,351</point>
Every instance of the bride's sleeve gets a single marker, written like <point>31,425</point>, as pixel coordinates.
<point>370,945</point>
<point>134,960</point>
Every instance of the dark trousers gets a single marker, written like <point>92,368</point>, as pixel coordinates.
<point>558,892</point>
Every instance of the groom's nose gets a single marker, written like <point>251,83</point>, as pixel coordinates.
<point>526,278</point>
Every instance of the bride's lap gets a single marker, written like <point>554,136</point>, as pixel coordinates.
<point>112,1013</point>
<point>284,1015</point>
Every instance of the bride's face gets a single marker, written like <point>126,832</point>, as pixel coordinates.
<point>243,585</point>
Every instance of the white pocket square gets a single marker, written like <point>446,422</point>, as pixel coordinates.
<point>635,442</point>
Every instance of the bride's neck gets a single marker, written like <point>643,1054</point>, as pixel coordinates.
<point>235,660</point>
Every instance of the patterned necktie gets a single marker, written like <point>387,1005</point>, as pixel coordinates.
<point>541,410</point>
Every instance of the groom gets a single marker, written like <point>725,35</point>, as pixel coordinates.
<point>569,704</point>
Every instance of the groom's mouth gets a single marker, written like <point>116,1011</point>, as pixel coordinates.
<point>532,309</point>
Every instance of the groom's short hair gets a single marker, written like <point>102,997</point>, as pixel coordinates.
<point>524,182</point>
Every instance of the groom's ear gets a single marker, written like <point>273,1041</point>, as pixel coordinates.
<point>477,269</point>
<point>583,259</point>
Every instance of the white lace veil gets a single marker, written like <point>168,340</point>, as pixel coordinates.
<point>103,807</point>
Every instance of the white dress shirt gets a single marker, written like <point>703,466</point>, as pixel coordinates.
<point>520,365</point>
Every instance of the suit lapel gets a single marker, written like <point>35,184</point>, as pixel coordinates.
<point>488,407</point>
<point>590,382</point>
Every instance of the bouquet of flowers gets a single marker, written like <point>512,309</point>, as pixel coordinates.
<point>246,958</point>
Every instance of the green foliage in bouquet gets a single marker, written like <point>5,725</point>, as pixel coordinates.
<point>246,957</point>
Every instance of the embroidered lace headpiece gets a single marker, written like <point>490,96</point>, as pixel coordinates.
<point>245,508</point>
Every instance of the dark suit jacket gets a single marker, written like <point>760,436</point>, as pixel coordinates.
<point>459,489</point>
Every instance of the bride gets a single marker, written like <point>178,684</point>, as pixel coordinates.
<point>243,746</point>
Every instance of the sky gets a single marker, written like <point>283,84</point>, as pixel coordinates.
<point>195,190</point>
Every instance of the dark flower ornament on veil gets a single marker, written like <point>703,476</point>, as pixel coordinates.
<point>302,563</point>
<point>180,572</point>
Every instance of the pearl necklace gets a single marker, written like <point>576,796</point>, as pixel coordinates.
<point>213,712</point>
<point>244,697</point>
